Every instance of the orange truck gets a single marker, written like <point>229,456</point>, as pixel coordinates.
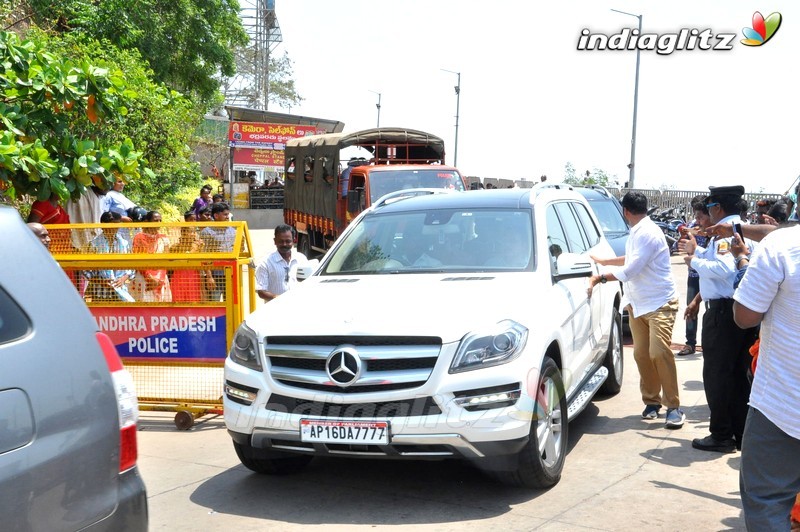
<point>325,189</point>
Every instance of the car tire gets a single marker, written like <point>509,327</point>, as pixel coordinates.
<point>614,360</point>
<point>541,461</point>
<point>267,462</point>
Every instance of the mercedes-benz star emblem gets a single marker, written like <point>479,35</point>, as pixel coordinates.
<point>343,366</point>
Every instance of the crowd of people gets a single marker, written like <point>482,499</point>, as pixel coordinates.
<point>159,285</point>
<point>276,274</point>
<point>748,278</point>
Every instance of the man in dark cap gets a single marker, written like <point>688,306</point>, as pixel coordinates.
<point>726,354</point>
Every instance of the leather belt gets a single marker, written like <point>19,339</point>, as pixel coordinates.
<point>719,303</point>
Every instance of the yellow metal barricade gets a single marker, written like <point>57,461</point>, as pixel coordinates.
<point>170,296</point>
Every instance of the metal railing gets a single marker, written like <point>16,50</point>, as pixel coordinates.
<point>680,200</point>
<point>266,198</point>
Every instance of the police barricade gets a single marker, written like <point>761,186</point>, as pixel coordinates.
<point>170,296</point>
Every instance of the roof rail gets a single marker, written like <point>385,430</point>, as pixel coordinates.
<point>539,187</point>
<point>397,195</point>
<point>599,188</point>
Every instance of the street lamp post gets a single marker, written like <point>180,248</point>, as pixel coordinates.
<point>378,105</point>
<point>632,165</point>
<point>458,103</point>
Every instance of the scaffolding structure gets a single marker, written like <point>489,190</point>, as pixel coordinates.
<point>250,86</point>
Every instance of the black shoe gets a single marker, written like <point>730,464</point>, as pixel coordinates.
<point>710,443</point>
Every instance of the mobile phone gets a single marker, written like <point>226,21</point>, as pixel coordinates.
<point>738,229</point>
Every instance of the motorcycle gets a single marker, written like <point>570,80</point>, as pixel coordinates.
<point>664,222</point>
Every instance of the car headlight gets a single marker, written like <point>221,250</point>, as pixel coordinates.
<point>499,345</point>
<point>244,349</point>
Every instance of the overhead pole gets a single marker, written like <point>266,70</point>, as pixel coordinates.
<point>632,164</point>
<point>378,105</point>
<point>458,104</point>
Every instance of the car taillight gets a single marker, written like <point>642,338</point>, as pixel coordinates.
<point>127,403</point>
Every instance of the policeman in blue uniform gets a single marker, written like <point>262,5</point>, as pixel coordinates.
<point>726,354</point>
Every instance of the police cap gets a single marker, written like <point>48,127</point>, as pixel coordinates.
<point>735,190</point>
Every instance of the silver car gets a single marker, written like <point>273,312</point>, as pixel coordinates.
<point>68,411</point>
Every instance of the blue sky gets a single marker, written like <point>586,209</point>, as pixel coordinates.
<point>531,102</point>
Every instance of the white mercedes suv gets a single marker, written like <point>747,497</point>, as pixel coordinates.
<point>440,325</point>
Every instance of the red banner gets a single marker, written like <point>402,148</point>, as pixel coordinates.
<point>252,157</point>
<point>257,132</point>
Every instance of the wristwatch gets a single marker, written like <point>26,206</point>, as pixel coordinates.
<point>603,279</point>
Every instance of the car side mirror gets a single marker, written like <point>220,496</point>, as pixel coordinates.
<point>355,200</point>
<point>307,270</point>
<point>572,265</point>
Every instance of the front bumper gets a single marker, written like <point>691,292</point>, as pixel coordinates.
<point>435,424</point>
<point>409,446</point>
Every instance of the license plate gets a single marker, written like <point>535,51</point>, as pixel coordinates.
<point>358,432</point>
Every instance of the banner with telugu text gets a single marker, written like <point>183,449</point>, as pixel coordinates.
<point>245,158</point>
<point>244,133</point>
<point>260,146</point>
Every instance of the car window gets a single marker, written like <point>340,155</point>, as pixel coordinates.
<point>556,238</point>
<point>387,181</point>
<point>14,324</point>
<point>589,229</point>
<point>441,240</point>
<point>576,240</point>
<point>609,216</point>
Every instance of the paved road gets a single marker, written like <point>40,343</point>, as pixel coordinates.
<point>622,473</point>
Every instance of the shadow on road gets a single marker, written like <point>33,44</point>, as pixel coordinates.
<point>355,492</point>
<point>160,423</point>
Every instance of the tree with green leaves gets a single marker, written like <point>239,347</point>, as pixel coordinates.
<point>596,177</point>
<point>141,54</point>
<point>159,120</point>
<point>188,44</point>
<point>281,90</point>
<point>281,83</point>
<point>52,115</point>
<point>570,177</point>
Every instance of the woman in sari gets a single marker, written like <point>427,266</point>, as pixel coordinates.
<point>151,285</point>
<point>187,283</point>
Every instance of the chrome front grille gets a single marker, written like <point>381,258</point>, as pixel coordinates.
<point>387,363</point>
<point>419,406</point>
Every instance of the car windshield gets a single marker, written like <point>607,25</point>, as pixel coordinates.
<point>611,220</point>
<point>386,181</point>
<point>446,240</point>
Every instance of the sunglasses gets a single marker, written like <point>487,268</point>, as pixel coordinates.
<point>712,204</point>
<point>286,279</point>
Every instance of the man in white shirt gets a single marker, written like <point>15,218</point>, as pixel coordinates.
<point>769,294</point>
<point>87,209</point>
<point>726,355</point>
<point>277,273</point>
<point>116,201</point>
<point>650,289</point>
